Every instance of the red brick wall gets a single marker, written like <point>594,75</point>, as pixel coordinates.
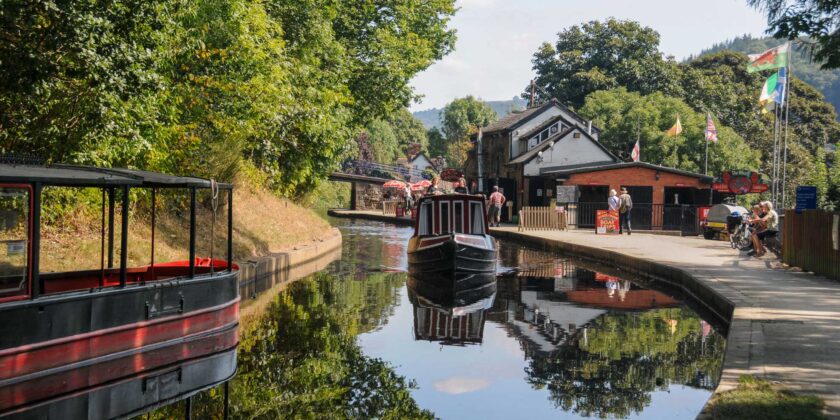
<point>615,178</point>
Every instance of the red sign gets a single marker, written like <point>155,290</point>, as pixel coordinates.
<point>704,212</point>
<point>606,222</point>
<point>739,183</point>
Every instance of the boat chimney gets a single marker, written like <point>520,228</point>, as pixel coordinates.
<point>589,127</point>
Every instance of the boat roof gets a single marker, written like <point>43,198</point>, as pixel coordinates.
<point>465,197</point>
<point>89,176</point>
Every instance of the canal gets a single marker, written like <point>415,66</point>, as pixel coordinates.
<point>559,337</point>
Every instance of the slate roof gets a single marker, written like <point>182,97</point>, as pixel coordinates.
<point>624,165</point>
<point>515,119</point>
<point>527,156</point>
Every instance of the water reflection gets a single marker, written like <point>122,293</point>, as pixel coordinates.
<point>549,336</point>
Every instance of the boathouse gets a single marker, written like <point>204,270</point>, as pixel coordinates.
<point>549,154</point>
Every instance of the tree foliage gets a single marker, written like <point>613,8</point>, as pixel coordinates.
<point>195,86</point>
<point>600,56</point>
<point>814,19</point>
<point>459,119</point>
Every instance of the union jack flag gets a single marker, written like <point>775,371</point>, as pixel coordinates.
<point>711,131</point>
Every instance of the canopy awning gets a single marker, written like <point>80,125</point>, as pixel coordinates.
<point>63,176</point>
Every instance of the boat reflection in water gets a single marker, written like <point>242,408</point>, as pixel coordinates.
<point>451,309</point>
<point>129,396</point>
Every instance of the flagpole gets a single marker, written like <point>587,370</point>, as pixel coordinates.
<point>773,190</point>
<point>706,167</point>
<point>786,103</point>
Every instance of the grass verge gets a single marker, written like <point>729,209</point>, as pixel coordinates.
<point>757,399</point>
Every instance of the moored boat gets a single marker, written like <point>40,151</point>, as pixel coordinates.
<point>454,315</point>
<point>450,235</point>
<point>66,332</point>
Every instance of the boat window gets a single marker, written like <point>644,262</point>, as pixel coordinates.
<point>14,236</point>
<point>426,219</point>
<point>458,217</point>
<point>477,219</point>
<point>444,217</point>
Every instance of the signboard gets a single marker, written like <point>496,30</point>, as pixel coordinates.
<point>806,198</point>
<point>567,194</point>
<point>15,247</point>
<point>451,174</point>
<point>606,222</point>
<point>704,212</point>
<point>739,183</point>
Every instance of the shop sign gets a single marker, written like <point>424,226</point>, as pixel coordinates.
<point>739,183</point>
<point>451,175</point>
<point>606,222</point>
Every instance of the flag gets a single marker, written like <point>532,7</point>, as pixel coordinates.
<point>636,153</point>
<point>781,82</point>
<point>711,131</point>
<point>770,59</point>
<point>768,91</point>
<point>676,129</point>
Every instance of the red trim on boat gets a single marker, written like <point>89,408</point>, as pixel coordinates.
<point>73,380</point>
<point>26,359</point>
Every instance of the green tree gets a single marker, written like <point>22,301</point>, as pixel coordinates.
<point>383,141</point>
<point>437,143</point>
<point>463,115</point>
<point>818,176</point>
<point>623,116</point>
<point>603,55</point>
<point>408,130</point>
<point>834,181</point>
<point>815,19</point>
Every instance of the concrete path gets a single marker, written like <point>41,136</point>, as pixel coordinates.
<point>785,325</point>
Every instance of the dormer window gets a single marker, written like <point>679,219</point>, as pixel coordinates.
<point>545,134</point>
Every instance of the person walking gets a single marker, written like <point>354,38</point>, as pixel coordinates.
<point>613,201</point>
<point>624,207</point>
<point>497,200</point>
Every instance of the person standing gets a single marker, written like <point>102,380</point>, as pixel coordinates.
<point>462,187</point>
<point>613,201</point>
<point>624,207</point>
<point>434,189</point>
<point>497,200</point>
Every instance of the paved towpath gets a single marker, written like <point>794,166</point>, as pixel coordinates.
<point>785,326</point>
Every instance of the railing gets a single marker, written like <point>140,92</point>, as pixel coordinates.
<point>389,207</point>
<point>643,216</point>
<point>381,170</point>
<point>811,241</point>
<point>542,218</point>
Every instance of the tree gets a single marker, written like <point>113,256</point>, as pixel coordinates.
<point>383,141</point>
<point>409,131</point>
<point>623,116</point>
<point>603,55</point>
<point>818,177</point>
<point>815,19</point>
<point>464,114</point>
<point>437,143</point>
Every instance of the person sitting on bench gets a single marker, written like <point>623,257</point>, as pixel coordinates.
<point>770,222</point>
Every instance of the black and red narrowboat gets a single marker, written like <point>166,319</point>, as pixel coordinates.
<point>450,236</point>
<point>72,332</point>
<point>451,317</point>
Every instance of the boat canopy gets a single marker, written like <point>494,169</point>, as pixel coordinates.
<point>89,176</point>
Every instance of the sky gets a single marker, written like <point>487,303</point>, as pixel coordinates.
<point>497,38</point>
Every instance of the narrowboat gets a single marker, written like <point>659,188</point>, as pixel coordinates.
<point>450,236</point>
<point>77,331</point>
<point>450,319</point>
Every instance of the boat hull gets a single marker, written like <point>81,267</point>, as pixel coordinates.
<point>453,289</point>
<point>445,254</point>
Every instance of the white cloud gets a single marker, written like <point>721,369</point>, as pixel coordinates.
<point>460,385</point>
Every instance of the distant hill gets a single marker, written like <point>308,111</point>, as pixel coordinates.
<point>826,81</point>
<point>431,117</point>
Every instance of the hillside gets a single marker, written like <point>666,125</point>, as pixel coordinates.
<point>431,117</point>
<point>826,81</point>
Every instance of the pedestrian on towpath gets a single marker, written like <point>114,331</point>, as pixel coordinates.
<point>624,207</point>
<point>613,201</point>
<point>497,200</point>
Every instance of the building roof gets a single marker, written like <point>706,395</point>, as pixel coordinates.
<point>515,119</point>
<point>527,156</point>
<point>624,165</point>
<point>417,156</point>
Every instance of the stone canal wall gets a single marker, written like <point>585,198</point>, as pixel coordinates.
<point>375,215</point>
<point>259,274</point>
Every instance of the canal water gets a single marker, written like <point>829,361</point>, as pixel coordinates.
<point>558,337</point>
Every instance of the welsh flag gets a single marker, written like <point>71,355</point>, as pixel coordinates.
<point>771,59</point>
<point>711,131</point>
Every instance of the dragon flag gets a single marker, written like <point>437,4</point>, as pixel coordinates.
<point>711,131</point>
<point>771,59</point>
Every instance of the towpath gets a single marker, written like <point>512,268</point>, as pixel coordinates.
<point>785,326</point>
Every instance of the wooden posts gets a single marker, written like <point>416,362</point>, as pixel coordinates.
<point>111,203</point>
<point>230,232</point>
<point>36,240</point>
<point>811,241</point>
<point>124,238</point>
<point>541,218</point>
<point>192,232</point>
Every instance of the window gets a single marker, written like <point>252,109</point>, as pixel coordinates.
<point>458,217</point>
<point>14,237</point>
<point>426,219</point>
<point>444,217</point>
<point>477,219</point>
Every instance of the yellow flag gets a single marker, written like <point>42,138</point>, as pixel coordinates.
<point>676,129</point>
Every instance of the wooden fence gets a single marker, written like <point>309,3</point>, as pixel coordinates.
<point>541,218</point>
<point>811,241</point>
<point>389,207</point>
